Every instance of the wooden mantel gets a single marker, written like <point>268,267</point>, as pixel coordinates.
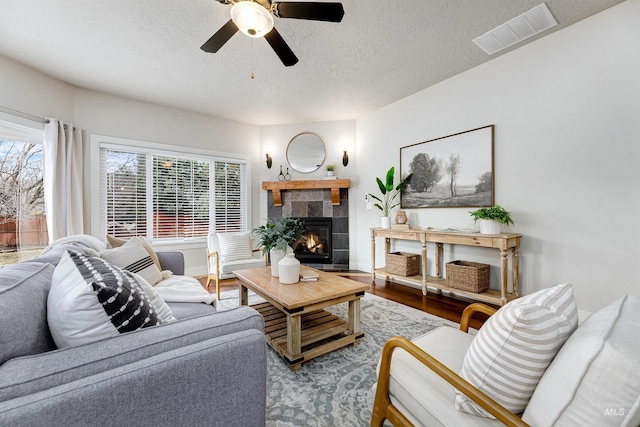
<point>307,184</point>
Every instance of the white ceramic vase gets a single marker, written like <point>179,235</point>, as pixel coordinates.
<point>489,226</point>
<point>385,222</point>
<point>289,269</point>
<point>275,255</point>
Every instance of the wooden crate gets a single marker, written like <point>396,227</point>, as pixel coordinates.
<point>402,263</point>
<point>468,276</point>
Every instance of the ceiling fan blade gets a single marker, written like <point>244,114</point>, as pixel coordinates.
<point>220,37</point>
<point>332,12</point>
<point>281,48</point>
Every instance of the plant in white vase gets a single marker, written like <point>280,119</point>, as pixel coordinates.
<point>276,238</point>
<point>389,194</point>
<point>490,218</point>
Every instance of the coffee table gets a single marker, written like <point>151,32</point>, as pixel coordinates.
<point>296,325</point>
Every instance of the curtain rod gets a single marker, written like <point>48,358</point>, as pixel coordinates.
<point>23,115</point>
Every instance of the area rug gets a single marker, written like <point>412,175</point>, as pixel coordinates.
<point>336,389</point>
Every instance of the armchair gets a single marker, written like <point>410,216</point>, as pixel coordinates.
<point>592,376</point>
<point>227,252</point>
<point>384,408</point>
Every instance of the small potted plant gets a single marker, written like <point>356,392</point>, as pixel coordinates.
<point>330,169</point>
<point>389,195</point>
<point>276,238</point>
<point>491,218</point>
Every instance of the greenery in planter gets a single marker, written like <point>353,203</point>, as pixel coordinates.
<point>496,213</point>
<point>389,192</point>
<point>279,234</point>
<point>330,168</point>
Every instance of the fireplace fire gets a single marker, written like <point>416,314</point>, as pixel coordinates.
<point>315,244</point>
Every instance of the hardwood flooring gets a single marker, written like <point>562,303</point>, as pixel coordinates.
<point>433,303</point>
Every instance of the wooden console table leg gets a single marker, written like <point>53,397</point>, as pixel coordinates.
<point>373,258</point>
<point>294,332</point>
<point>503,277</point>
<point>515,263</point>
<point>423,240</point>
<point>387,249</point>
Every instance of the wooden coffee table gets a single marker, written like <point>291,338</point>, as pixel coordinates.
<point>296,325</point>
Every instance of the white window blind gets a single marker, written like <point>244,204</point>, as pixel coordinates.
<point>163,195</point>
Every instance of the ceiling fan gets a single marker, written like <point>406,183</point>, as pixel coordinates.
<point>255,19</point>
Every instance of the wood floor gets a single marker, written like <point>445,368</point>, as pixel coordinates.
<point>437,304</point>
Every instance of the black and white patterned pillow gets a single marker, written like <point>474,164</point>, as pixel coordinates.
<point>91,299</point>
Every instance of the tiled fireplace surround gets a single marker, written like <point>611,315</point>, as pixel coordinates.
<point>316,204</point>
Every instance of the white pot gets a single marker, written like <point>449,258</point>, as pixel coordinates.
<point>489,226</point>
<point>385,222</point>
<point>289,269</point>
<point>330,173</point>
<point>276,255</point>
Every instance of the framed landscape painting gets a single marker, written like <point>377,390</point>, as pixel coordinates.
<point>451,171</point>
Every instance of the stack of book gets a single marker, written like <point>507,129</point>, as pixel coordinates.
<point>308,276</point>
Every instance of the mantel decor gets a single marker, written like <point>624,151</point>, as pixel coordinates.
<point>451,171</point>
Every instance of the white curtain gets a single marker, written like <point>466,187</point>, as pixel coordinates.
<point>63,178</point>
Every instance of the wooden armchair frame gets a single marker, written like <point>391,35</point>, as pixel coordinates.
<point>384,409</point>
<point>216,276</point>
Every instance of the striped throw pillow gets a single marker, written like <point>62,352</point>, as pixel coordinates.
<point>234,246</point>
<point>133,257</point>
<point>515,346</point>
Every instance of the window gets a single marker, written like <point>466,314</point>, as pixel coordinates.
<point>165,195</point>
<point>23,224</point>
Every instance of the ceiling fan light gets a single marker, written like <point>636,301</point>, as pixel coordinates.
<point>251,18</point>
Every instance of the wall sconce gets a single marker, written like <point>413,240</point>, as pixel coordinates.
<point>345,158</point>
<point>269,161</point>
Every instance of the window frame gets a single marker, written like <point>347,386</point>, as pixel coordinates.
<point>98,142</point>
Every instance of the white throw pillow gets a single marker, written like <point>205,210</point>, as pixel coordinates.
<point>116,242</point>
<point>133,257</point>
<point>91,299</point>
<point>515,346</point>
<point>162,309</point>
<point>234,246</point>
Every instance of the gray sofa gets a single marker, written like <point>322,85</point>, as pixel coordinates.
<point>207,368</point>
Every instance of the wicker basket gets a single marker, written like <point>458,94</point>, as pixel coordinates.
<point>402,263</point>
<point>468,276</point>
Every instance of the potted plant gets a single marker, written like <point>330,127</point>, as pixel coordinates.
<point>276,238</point>
<point>490,218</point>
<point>389,194</point>
<point>330,169</point>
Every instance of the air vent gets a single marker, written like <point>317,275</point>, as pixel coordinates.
<point>518,29</point>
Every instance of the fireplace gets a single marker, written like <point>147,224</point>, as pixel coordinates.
<point>315,246</point>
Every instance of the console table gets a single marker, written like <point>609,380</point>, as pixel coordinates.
<point>507,243</point>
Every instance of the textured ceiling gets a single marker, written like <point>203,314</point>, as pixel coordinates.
<point>149,50</point>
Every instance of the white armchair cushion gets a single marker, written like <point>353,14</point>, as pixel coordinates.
<point>234,246</point>
<point>516,345</point>
<point>419,393</point>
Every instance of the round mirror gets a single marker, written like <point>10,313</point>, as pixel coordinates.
<point>305,152</point>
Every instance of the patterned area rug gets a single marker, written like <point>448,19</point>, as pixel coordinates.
<point>336,389</point>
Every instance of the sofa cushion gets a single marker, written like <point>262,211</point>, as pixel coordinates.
<point>23,317</point>
<point>516,345</point>
<point>595,378</point>
<point>234,246</point>
<point>91,299</point>
<point>133,257</point>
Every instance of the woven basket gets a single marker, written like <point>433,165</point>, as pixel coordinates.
<point>402,263</point>
<point>468,276</point>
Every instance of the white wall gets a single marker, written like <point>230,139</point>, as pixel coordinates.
<point>566,110</point>
<point>24,89</point>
